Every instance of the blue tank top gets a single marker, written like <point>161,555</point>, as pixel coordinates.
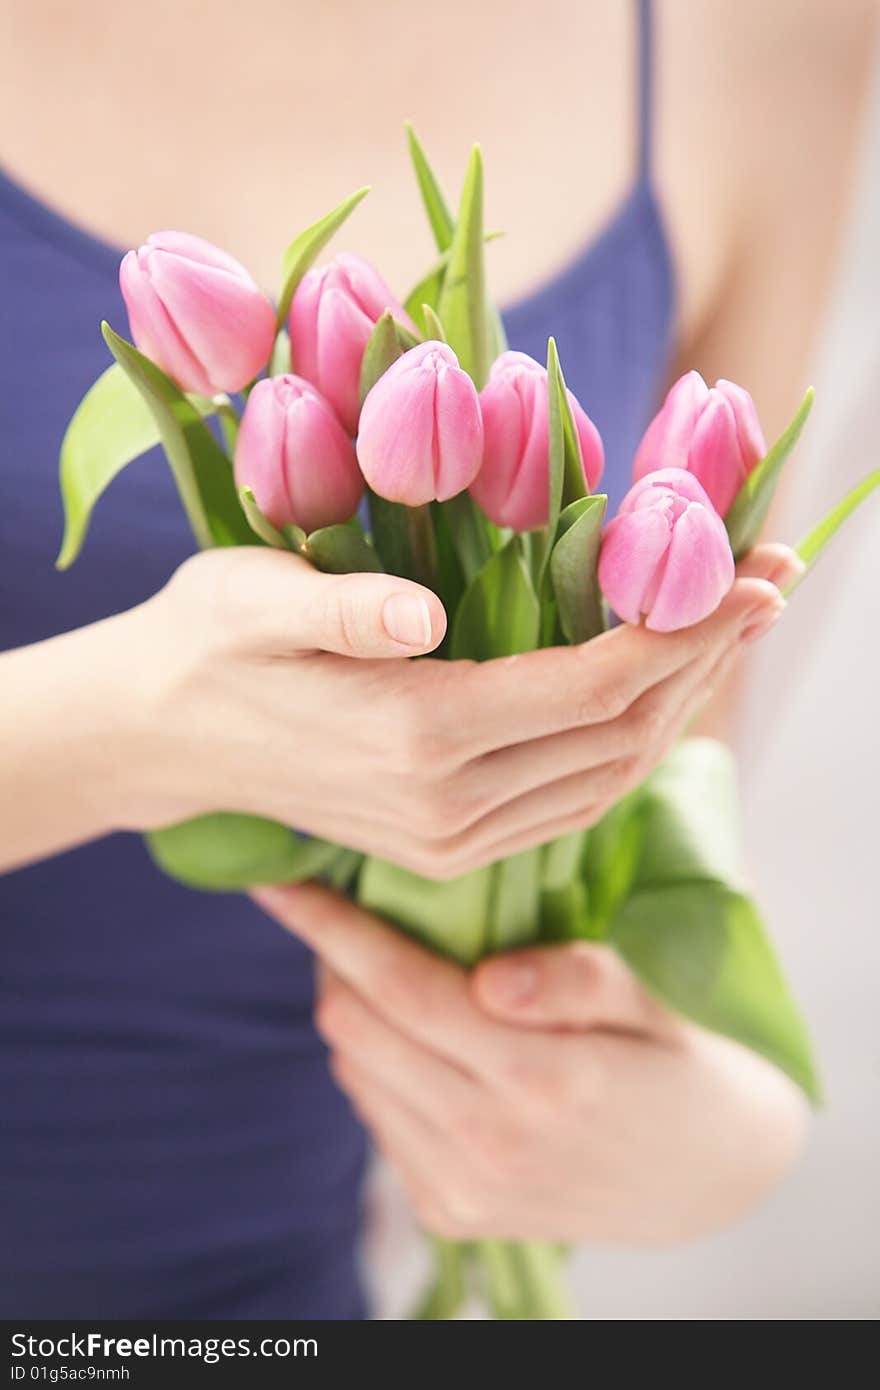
<point>174,1145</point>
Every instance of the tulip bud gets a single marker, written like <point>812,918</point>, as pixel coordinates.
<point>666,554</point>
<point>713,433</point>
<point>421,435</point>
<point>513,484</point>
<point>295,456</point>
<point>333,313</point>
<point>196,313</point>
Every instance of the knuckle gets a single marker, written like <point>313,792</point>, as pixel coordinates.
<point>445,810</point>
<point>647,721</point>
<point>602,704</point>
<point>346,618</point>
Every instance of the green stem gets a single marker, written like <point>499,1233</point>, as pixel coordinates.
<point>423,547</point>
<point>229,421</point>
<point>448,1291</point>
<point>469,529</point>
<point>525,1280</point>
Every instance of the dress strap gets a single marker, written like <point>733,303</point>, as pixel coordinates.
<point>646,87</point>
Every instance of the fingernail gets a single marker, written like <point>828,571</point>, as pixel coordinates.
<point>407,619</point>
<point>754,630</point>
<point>510,983</point>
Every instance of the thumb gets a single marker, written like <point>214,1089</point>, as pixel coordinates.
<point>579,985</point>
<point>282,604</point>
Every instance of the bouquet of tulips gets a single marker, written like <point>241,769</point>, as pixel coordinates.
<point>365,434</point>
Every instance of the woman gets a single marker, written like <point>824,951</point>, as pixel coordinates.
<point>179,1147</point>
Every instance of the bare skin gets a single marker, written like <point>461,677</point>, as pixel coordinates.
<point>758,116</point>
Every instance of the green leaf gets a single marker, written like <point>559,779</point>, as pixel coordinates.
<point>690,817</point>
<point>471,532</point>
<point>341,550</point>
<point>701,949</point>
<point>390,531</point>
<point>463,305</point>
<point>574,570</point>
<point>433,327</point>
<point>258,523</point>
<point>111,426</point>
<point>225,852</point>
<point>305,249</point>
<point>748,511</point>
<point>498,614</point>
<point>514,913</point>
<point>201,470</point>
<point>610,862</point>
<point>451,917</point>
<point>427,291</point>
<point>388,341</point>
<point>439,216</point>
<point>566,481</point>
<point>279,362</point>
<point>812,545</point>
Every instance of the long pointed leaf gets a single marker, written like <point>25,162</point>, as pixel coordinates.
<point>304,250</point>
<point>259,524</point>
<point>701,949</point>
<point>111,426</point>
<point>202,471</point>
<point>498,614</point>
<point>810,548</point>
<point>463,307</point>
<point>749,508</point>
<point>574,571</point>
<point>439,216</point>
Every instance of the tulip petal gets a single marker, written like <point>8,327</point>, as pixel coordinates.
<point>201,252</point>
<point>698,573</point>
<point>259,454</point>
<point>458,428</point>
<point>323,481</point>
<point>715,457</point>
<point>395,444</point>
<point>665,480</point>
<point>633,548</point>
<point>752,444</point>
<point>229,325</point>
<point>667,440</point>
<point>343,330</point>
<point>153,329</point>
<point>592,448</point>
<point>503,426</point>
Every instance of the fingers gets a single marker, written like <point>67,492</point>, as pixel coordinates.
<point>425,997</point>
<point>579,986</point>
<point>776,563</point>
<point>515,699</point>
<point>352,1029</point>
<point>282,605</point>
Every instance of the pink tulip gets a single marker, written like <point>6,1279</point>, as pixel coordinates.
<point>513,485</point>
<point>712,432</point>
<point>334,311</point>
<point>666,554</point>
<point>421,435</point>
<point>196,313</point>
<point>295,456</point>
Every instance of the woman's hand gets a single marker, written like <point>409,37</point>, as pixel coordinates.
<point>544,1096</point>
<point>438,766</point>
<point>234,689</point>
